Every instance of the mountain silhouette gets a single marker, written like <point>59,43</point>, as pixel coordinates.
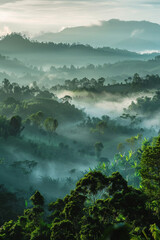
<point>130,35</point>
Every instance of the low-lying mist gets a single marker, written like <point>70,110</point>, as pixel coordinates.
<point>99,104</point>
<point>50,137</point>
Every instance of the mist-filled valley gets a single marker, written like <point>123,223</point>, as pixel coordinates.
<point>75,113</point>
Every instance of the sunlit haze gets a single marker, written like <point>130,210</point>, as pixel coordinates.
<point>34,16</point>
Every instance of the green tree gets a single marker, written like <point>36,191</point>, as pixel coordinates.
<point>150,169</point>
<point>91,228</point>
<point>6,85</point>
<point>15,125</point>
<point>136,78</point>
<point>62,230</point>
<point>101,126</point>
<point>56,208</point>
<point>41,232</point>
<point>37,118</point>
<point>37,199</point>
<point>50,124</point>
<point>11,231</point>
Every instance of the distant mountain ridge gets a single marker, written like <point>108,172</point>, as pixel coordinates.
<point>130,35</point>
<point>34,52</point>
<point>17,42</point>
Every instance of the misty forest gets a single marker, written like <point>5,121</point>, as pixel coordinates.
<point>80,133</point>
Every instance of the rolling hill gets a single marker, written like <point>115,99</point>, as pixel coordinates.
<point>40,54</point>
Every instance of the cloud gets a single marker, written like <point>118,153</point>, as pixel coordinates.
<point>136,32</point>
<point>151,2</point>
<point>2,2</point>
<point>51,15</point>
<point>4,31</point>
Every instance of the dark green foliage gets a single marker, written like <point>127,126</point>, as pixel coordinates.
<point>41,233</point>
<point>12,127</point>
<point>145,105</point>
<point>50,124</point>
<point>56,208</point>
<point>15,125</point>
<point>10,205</point>
<point>36,118</point>
<point>132,84</point>
<point>91,228</point>
<point>37,199</point>
<point>131,203</point>
<point>118,183</point>
<point>76,217</point>
<point>92,183</point>
<point>150,173</point>
<point>62,230</point>
<point>102,198</point>
<point>74,211</point>
<point>103,211</point>
<point>117,232</point>
<point>11,231</point>
<point>150,169</point>
<point>155,231</point>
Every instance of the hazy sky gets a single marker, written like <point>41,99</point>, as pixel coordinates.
<point>34,16</point>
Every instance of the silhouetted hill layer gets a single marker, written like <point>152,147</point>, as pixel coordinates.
<point>33,52</point>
